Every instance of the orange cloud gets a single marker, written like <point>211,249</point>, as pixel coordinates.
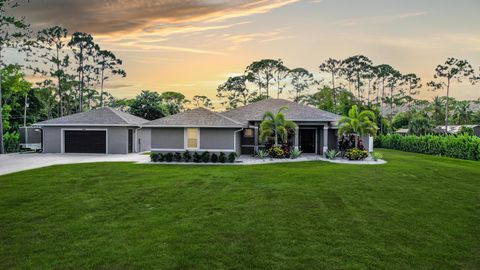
<point>126,16</point>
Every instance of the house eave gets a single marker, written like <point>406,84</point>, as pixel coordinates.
<point>86,125</point>
<point>190,126</point>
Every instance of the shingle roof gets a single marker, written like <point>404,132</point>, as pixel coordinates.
<point>453,129</point>
<point>200,117</point>
<point>103,116</point>
<point>295,111</point>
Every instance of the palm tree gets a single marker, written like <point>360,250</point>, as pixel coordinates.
<point>358,123</point>
<point>276,126</point>
<point>462,114</point>
<point>437,109</point>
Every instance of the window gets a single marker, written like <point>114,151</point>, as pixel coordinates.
<point>248,132</point>
<point>192,138</point>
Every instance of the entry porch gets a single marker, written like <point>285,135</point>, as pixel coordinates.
<point>309,137</point>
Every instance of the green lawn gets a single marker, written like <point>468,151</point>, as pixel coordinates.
<point>417,211</point>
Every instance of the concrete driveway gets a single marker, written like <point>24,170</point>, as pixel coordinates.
<point>11,163</point>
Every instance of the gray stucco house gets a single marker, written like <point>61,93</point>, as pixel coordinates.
<point>103,130</point>
<point>109,131</point>
<point>237,130</point>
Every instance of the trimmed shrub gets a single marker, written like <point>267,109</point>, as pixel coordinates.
<point>276,152</point>
<point>168,157</point>
<point>214,158</point>
<point>231,157</point>
<point>376,156</point>
<point>177,156</point>
<point>356,154</point>
<point>222,157</point>
<point>187,156</point>
<point>455,146</point>
<point>205,157</point>
<point>196,157</point>
<point>154,157</point>
<point>286,151</point>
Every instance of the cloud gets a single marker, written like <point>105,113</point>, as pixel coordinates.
<point>378,19</point>
<point>108,17</point>
<point>238,39</point>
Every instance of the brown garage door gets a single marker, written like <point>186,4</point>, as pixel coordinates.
<point>85,141</point>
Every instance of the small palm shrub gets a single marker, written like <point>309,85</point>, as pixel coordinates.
<point>205,157</point>
<point>295,153</point>
<point>276,152</point>
<point>332,154</point>
<point>169,157</point>
<point>214,158</point>
<point>376,156</point>
<point>177,156</point>
<point>187,156</point>
<point>222,157</point>
<point>231,157</point>
<point>196,157</point>
<point>356,154</point>
<point>262,154</point>
<point>161,157</point>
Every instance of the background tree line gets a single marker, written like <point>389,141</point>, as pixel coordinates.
<point>342,83</point>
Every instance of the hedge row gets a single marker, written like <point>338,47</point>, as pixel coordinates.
<point>455,146</point>
<point>196,157</point>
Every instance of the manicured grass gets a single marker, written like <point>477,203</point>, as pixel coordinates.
<point>417,211</point>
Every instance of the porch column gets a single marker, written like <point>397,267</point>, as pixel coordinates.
<point>325,139</point>
<point>255,138</point>
<point>297,134</point>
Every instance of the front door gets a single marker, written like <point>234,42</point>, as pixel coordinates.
<point>307,140</point>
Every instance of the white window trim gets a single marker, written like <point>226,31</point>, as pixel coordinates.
<point>62,136</point>
<point>185,139</point>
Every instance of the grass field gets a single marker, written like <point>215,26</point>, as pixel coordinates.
<point>417,211</point>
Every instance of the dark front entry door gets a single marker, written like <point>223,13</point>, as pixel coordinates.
<point>307,140</point>
<point>85,141</point>
<point>130,141</point>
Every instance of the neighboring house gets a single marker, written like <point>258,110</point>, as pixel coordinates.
<point>403,131</point>
<point>455,129</point>
<point>114,132</point>
<point>237,130</point>
<point>103,130</point>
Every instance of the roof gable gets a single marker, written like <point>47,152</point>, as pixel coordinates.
<point>200,117</point>
<point>295,111</point>
<point>102,116</point>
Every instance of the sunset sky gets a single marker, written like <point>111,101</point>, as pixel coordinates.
<point>193,46</point>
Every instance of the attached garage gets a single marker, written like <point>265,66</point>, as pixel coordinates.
<point>99,131</point>
<point>85,141</point>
